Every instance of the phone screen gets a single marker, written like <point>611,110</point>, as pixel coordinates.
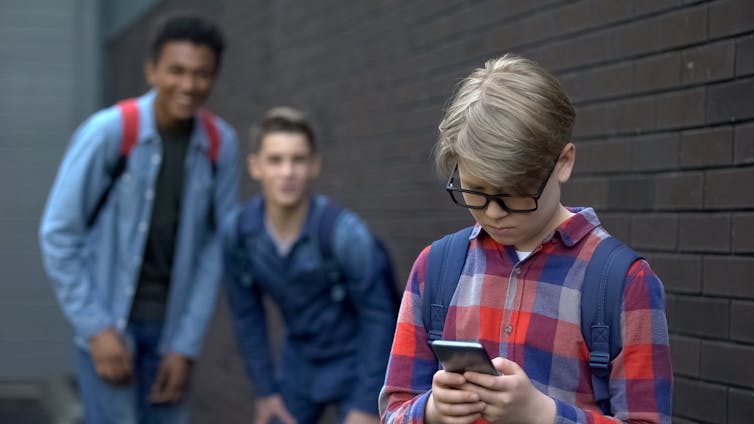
<point>461,356</point>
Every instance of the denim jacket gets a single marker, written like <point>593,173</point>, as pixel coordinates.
<point>336,342</point>
<point>95,269</point>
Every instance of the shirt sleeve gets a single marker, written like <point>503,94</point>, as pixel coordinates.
<point>354,248</point>
<point>247,313</point>
<point>641,375</point>
<point>408,381</point>
<point>83,177</point>
<point>201,301</point>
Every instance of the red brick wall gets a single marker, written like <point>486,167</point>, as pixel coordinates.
<point>664,92</point>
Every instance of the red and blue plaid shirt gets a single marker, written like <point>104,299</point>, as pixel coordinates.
<point>529,311</point>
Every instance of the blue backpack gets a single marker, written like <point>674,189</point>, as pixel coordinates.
<point>601,296</point>
<point>326,227</point>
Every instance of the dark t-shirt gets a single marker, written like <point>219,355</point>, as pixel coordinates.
<point>150,300</point>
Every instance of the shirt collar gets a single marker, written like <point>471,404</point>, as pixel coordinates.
<point>253,218</point>
<point>571,231</point>
<point>578,226</point>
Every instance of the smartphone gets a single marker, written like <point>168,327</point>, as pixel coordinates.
<point>459,356</point>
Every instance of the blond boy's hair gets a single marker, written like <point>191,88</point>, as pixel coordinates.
<point>507,124</point>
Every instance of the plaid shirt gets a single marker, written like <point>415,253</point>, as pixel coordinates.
<point>529,311</point>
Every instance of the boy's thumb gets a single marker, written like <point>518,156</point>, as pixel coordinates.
<point>506,366</point>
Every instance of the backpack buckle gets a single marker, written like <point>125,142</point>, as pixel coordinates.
<point>337,293</point>
<point>600,360</point>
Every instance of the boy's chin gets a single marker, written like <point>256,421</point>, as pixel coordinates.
<point>288,202</point>
<point>182,113</point>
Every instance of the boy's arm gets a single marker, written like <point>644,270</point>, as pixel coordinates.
<point>641,376</point>
<point>247,313</point>
<point>82,179</point>
<point>201,301</point>
<point>355,250</point>
<point>408,380</point>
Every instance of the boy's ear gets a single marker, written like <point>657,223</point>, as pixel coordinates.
<point>565,162</point>
<point>150,73</point>
<point>252,165</point>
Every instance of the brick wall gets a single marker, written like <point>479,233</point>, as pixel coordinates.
<point>665,138</point>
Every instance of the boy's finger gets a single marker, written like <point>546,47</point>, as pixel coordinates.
<point>174,387</point>
<point>286,418</point>
<point>157,391</point>
<point>450,379</point>
<point>487,395</point>
<point>482,381</point>
<point>104,371</point>
<point>507,367</point>
<point>454,396</point>
<point>117,372</point>
<point>461,409</point>
<point>125,369</point>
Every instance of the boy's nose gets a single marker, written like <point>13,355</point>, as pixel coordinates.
<point>495,209</point>
<point>287,167</point>
<point>188,83</point>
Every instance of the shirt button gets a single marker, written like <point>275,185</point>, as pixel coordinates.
<point>142,227</point>
<point>129,290</point>
<point>149,194</point>
<point>508,328</point>
<point>517,271</point>
<point>121,323</point>
<point>155,159</point>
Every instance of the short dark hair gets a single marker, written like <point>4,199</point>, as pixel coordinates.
<point>188,27</point>
<point>282,119</point>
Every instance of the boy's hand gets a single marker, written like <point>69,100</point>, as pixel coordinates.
<point>272,406</point>
<point>510,398</point>
<point>111,358</point>
<point>358,417</point>
<point>172,378</point>
<point>451,402</point>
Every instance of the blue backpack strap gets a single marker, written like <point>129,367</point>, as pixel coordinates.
<point>249,222</point>
<point>601,296</point>
<point>327,219</point>
<point>250,218</point>
<point>328,215</point>
<point>444,266</point>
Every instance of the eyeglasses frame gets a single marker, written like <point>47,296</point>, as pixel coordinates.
<point>498,198</point>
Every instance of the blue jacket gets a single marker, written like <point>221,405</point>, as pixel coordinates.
<point>95,270</point>
<point>335,342</point>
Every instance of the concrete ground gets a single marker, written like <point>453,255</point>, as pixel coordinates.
<point>26,411</point>
<point>50,401</point>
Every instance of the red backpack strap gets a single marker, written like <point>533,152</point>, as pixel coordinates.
<point>129,112</point>
<point>213,135</point>
<point>129,115</point>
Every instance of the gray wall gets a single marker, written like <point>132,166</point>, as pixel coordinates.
<point>48,74</point>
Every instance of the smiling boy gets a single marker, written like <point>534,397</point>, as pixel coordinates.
<point>505,147</point>
<point>338,315</point>
<point>129,233</point>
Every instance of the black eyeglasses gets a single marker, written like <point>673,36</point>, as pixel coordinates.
<point>510,203</point>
